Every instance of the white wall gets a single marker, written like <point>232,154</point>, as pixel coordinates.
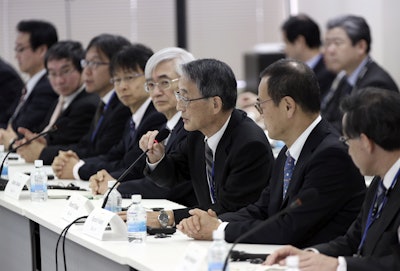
<point>223,29</point>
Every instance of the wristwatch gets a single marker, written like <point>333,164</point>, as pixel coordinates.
<point>163,218</point>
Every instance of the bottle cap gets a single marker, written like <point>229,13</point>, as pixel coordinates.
<point>218,235</point>
<point>38,163</point>
<point>292,261</point>
<point>136,198</point>
<point>111,183</point>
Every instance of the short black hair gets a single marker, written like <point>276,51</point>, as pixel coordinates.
<point>289,77</point>
<point>213,78</point>
<point>374,112</point>
<point>302,25</point>
<point>41,33</point>
<point>131,57</point>
<point>108,44</point>
<point>70,50</point>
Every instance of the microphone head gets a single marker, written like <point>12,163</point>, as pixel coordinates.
<point>163,134</point>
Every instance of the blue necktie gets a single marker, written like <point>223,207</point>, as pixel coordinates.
<point>380,196</point>
<point>210,171</point>
<point>287,172</point>
<point>132,129</point>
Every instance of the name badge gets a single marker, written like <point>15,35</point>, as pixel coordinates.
<point>15,185</point>
<point>96,226</point>
<point>77,206</point>
<point>193,259</point>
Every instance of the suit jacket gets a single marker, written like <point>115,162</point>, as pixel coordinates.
<point>243,164</point>
<point>11,86</point>
<point>73,122</point>
<point>371,76</point>
<point>108,134</point>
<point>324,166</point>
<point>181,193</point>
<point>377,252</point>
<point>122,155</point>
<point>325,77</point>
<point>36,107</point>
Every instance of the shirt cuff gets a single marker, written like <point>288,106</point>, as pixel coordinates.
<point>154,165</point>
<point>222,226</point>
<point>342,264</point>
<point>75,170</point>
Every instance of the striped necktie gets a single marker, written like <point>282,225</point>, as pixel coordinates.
<point>209,157</point>
<point>287,173</point>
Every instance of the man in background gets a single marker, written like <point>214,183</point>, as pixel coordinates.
<point>111,115</point>
<point>72,114</point>
<point>313,160</point>
<point>33,40</point>
<point>372,241</point>
<point>346,48</point>
<point>303,42</point>
<point>11,86</point>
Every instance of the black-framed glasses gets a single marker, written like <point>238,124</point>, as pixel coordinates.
<point>163,84</point>
<point>185,101</point>
<point>128,79</point>
<point>92,64</point>
<point>257,105</point>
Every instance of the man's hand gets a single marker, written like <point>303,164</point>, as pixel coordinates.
<point>308,261</point>
<point>64,163</point>
<point>32,151</point>
<point>200,225</point>
<point>7,135</point>
<point>155,150</point>
<point>99,182</point>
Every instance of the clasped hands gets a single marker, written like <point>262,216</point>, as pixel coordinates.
<point>64,163</point>
<point>200,225</point>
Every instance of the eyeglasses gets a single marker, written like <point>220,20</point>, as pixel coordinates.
<point>257,105</point>
<point>128,79</point>
<point>163,84</point>
<point>344,140</point>
<point>21,49</point>
<point>92,64</point>
<point>63,73</point>
<point>185,101</point>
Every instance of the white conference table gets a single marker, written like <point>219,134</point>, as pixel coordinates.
<point>21,218</point>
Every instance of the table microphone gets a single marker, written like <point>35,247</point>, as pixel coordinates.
<point>306,197</point>
<point>163,134</point>
<point>51,130</point>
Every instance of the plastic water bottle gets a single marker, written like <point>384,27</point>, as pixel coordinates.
<point>38,182</point>
<point>4,172</point>
<point>114,201</point>
<point>136,220</point>
<point>292,263</point>
<point>217,252</point>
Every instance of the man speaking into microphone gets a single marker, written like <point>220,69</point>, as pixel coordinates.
<point>313,159</point>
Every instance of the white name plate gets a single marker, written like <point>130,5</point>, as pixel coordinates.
<point>193,259</point>
<point>77,206</point>
<point>15,185</point>
<point>97,222</point>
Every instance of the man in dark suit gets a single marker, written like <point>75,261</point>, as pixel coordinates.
<point>239,159</point>
<point>111,115</point>
<point>33,40</point>
<point>346,48</point>
<point>72,114</point>
<point>127,68</point>
<point>161,72</point>
<point>302,42</point>
<point>11,86</point>
<point>372,241</point>
<point>312,160</point>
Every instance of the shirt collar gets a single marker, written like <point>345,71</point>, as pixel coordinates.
<point>106,98</point>
<point>68,99</point>
<point>138,115</point>
<point>352,78</point>
<point>171,123</point>
<point>313,61</point>
<point>389,176</point>
<point>215,138</point>
<point>298,145</point>
<point>33,81</point>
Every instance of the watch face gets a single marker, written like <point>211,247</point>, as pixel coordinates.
<point>163,218</point>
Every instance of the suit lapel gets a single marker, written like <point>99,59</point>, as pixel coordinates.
<point>173,136</point>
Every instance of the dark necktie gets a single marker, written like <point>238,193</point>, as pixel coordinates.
<point>210,171</point>
<point>98,119</point>
<point>132,129</point>
<point>378,204</point>
<point>20,104</point>
<point>287,173</point>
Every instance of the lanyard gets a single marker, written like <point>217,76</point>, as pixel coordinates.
<point>375,212</point>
